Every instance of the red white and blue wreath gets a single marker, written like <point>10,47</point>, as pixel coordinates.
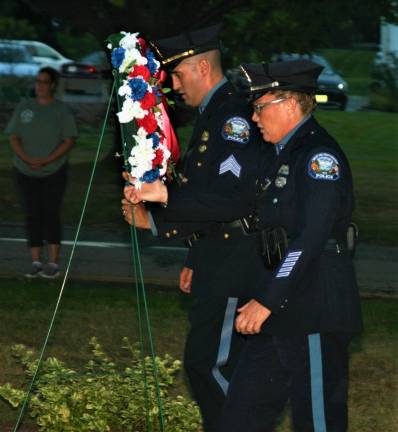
<point>142,112</point>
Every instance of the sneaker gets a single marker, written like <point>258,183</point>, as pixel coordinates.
<point>51,271</point>
<point>35,271</point>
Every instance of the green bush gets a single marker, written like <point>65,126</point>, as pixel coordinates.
<point>103,398</point>
<point>384,87</point>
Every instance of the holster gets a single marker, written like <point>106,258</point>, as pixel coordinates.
<point>272,246</point>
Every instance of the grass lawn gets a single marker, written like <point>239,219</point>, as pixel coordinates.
<point>108,312</point>
<point>369,138</point>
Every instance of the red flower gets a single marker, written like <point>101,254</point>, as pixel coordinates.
<point>148,101</point>
<point>140,70</point>
<point>149,123</point>
<point>142,44</point>
<point>158,158</point>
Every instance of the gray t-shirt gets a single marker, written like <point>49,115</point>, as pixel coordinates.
<point>42,128</point>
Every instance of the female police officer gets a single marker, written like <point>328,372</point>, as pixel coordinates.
<point>306,307</point>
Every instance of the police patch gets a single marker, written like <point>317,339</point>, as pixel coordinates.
<point>324,166</point>
<point>236,129</point>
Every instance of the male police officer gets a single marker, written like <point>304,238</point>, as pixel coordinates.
<point>305,309</point>
<point>217,183</point>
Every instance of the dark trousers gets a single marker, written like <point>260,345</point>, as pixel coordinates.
<point>42,199</point>
<point>211,353</point>
<point>309,370</point>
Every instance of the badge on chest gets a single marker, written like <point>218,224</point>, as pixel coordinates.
<point>281,179</point>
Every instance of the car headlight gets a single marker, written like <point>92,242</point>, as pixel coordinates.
<point>340,86</point>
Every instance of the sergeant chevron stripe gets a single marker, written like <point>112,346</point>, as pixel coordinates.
<point>230,164</point>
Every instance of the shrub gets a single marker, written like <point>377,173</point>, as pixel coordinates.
<point>102,398</point>
<point>384,87</point>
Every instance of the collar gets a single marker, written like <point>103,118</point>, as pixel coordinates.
<point>279,146</point>
<point>210,94</point>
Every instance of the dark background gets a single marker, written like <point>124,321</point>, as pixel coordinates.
<point>252,29</point>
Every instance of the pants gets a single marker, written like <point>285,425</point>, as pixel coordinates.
<point>211,353</point>
<point>42,199</point>
<point>309,370</point>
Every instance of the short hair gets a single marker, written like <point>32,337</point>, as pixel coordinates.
<point>52,73</point>
<point>306,101</point>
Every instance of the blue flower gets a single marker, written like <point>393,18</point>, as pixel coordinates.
<point>138,88</point>
<point>152,66</point>
<point>150,176</point>
<point>156,91</point>
<point>117,57</point>
<point>155,140</point>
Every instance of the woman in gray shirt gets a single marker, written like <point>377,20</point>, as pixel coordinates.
<point>42,131</point>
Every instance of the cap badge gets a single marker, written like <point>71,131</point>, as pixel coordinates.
<point>202,148</point>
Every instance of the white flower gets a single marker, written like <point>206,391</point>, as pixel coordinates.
<point>141,156</point>
<point>124,89</point>
<point>166,156</point>
<point>130,111</point>
<point>159,119</point>
<point>129,41</point>
<point>132,57</point>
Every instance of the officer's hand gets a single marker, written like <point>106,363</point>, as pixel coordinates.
<point>186,280</point>
<point>155,191</point>
<point>136,214</point>
<point>251,317</point>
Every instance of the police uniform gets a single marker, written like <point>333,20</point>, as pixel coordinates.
<point>301,353</point>
<point>217,182</point>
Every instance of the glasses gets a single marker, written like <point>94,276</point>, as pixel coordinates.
<point>258,107</point>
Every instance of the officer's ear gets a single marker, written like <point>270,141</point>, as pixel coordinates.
<point>292,106</point>
<point>204,66</point>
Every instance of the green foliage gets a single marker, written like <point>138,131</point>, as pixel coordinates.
<point>13,88</point>
<point>384,87</point>
<point>14,28</point>
<point>103,398</point>
<point>76,46</point>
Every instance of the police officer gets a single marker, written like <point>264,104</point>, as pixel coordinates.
<point>217,182</point>
<point>306,308</point>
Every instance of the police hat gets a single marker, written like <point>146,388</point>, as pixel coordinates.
<point>296,75</point>
<point>173,50</point>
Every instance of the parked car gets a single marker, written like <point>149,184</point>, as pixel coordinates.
<point>15,60</point>
<point>86,80</point>
<point>332,87</point>
<point>42,54</point>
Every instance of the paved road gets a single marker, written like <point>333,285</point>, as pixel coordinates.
<point>107,256</point>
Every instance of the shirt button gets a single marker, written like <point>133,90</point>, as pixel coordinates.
<point>275,200</point>
<point>199,164</point>
<point>282,307</point>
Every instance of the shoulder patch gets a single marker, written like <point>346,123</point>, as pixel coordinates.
<point>236,129</point>
<point>324,166</point>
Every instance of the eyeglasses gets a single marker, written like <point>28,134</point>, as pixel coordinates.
<point>258,107</point>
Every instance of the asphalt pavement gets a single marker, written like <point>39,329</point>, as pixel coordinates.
<point>106,256</point>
